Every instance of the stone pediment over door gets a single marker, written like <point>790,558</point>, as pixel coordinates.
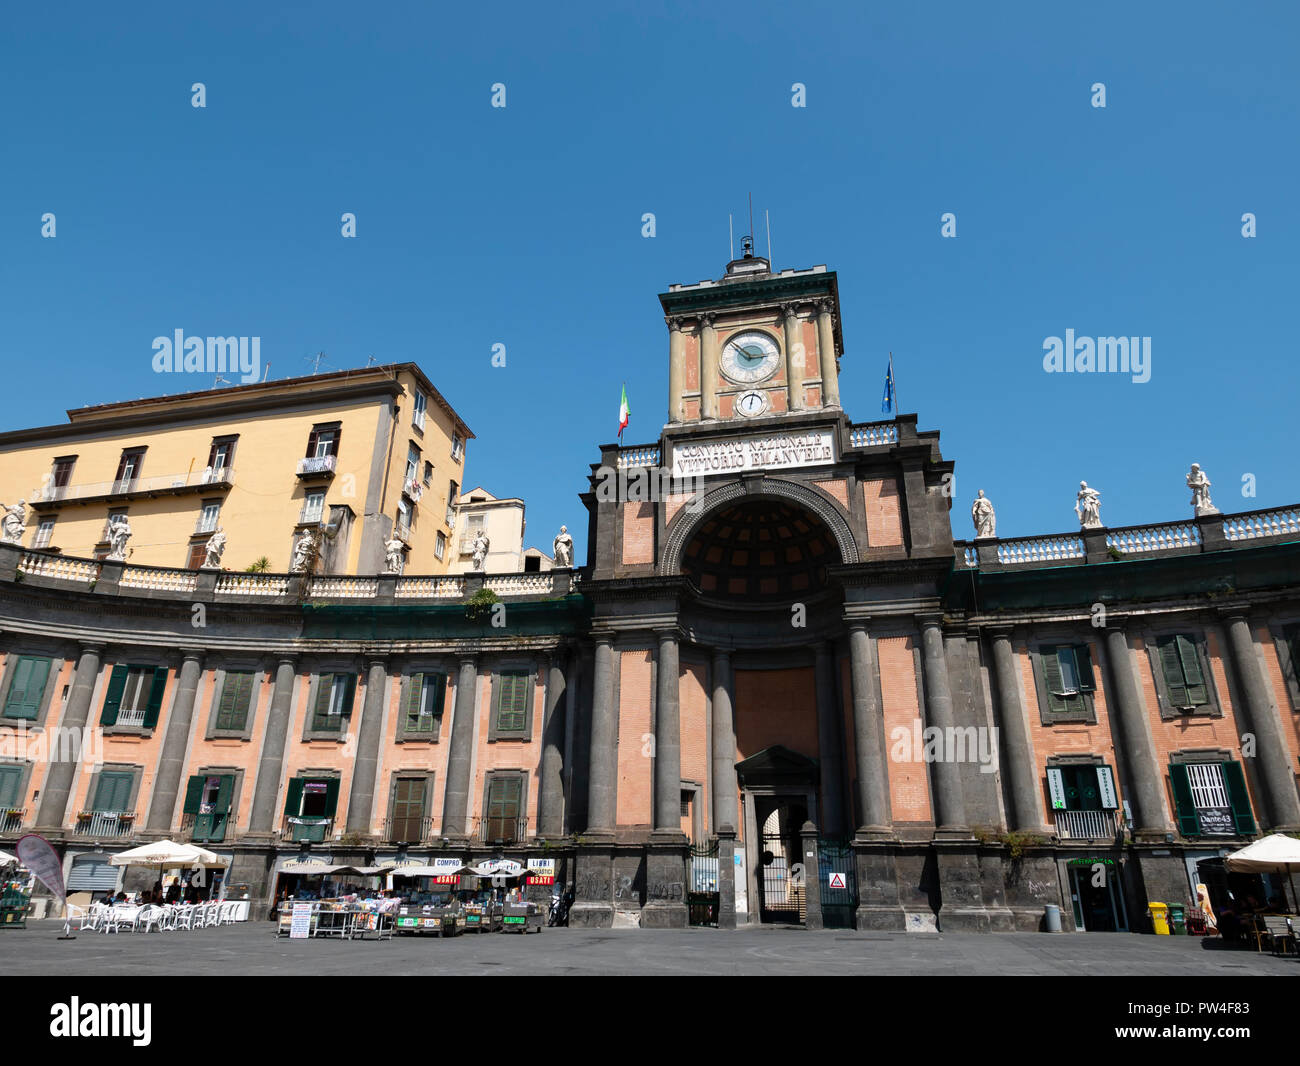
<point>777,766</point>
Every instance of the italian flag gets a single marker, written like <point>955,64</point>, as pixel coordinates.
<point>623,414</point>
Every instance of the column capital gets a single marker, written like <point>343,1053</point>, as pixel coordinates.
<point>92,647</point>
<point>790,308</point>
<point>719,653</point>
<point>1233,612</point>
<point>192,653</point>
<point>707,319</point>
<point>467,658</point>
<point>930,619</point>
<point>998,631</point>
<point>674,322</point>
<point>667,633</point>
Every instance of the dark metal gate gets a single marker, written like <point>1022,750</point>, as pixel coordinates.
<point>837,877</point>
<point>702,896</point>
<point>781,879</point>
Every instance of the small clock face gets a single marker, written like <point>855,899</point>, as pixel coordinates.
<point>750,357</point>
<point>751,403</point>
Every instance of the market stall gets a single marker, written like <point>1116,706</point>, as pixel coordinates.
<point>15,893</point>
<point>427,899</point>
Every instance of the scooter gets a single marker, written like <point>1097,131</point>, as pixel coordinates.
<point>560,904</point>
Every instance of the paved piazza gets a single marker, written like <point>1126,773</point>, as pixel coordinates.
<point>253,949</point>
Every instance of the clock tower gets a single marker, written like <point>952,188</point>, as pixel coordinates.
<point>753,344</point>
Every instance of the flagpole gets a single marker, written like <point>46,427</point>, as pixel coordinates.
<point>893,385</point>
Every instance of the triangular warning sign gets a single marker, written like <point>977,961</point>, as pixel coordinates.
<point>837,880</point>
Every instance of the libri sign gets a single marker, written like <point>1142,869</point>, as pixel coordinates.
<point>775,451</point>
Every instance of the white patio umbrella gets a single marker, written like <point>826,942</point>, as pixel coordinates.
<point>9,860</point>
<point>167,853</point>
<point>1273,854</point>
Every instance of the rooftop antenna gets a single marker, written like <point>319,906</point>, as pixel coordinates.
<point>316,360</point>
<point>731,236</point>
<point>267,370</point>
<point>768,219</point>
<point>220,381</point>
<point>370,360</point>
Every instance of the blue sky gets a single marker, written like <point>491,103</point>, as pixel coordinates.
<point>522,225</point>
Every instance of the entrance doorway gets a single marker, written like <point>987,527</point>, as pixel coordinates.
<point>781,890</point>
<point>1097,896</point>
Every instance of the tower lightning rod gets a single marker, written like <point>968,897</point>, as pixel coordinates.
<point>751,219</point>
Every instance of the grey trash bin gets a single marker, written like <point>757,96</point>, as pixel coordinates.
<point>1052,918</point>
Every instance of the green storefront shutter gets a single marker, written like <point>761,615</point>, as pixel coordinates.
<point>1083,660</point>
<point>193,795</point>
<point>113,699</point>
<point>349,693</point>
<point>10,778</point>
<point>1053,682</point>
<point>1173,671</point>
<point>1235,780</point>
<point>331,796</point>
<point>156,691</point>
<point>1188,824</point>
<point>1197,693</point>
<point>293,801</point>
<point>225,791</point>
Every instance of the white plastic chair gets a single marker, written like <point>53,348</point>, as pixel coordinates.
<point>184,918</point>
<point>228,913</point>
<point>87,918</point>
<point>213,917</point>
<point>168,920</point>
<point>149,918</point>
<point>112,921</point>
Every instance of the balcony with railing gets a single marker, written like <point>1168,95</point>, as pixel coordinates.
<point>306,828</point>
<point>407,830</point>
<point>193,481</point>
<point>501,830</point>
<point>11,819</point>
<point>317,466</point>
<point>103,825</point>
<point>1087,825</point>
<point>1189,536</point>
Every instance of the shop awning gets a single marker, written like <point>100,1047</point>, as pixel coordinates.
<point>167,853</point>
<point>314,868</point>
<point>424,871</point>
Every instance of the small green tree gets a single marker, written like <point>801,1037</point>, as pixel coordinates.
<point>259,566</point>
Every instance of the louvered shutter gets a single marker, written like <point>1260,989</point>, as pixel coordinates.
<point>1173,671</point>
<point>1197,691</point>
<point>193,795</point>
<point>1188,824</point>
<point>1235,782</point>
<point>156,690</point>
<point>113,697</point>
<point>1052,680</point>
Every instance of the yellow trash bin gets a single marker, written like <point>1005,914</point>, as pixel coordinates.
<point>1159,915</point>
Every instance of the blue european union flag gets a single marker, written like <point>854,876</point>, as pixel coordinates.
<point>887,400</point>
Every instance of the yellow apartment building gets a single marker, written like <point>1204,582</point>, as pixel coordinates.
<point>357,457</point>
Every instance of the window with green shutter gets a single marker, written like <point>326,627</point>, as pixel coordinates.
<point>27,686</point>
<point>504,807</point>
<point>334,695</point>
<point>113,791</point>
<point>1180,665</point>
<point>11,780</point>
<point>236,697</point>
<point>424,702</point>
<point>1211,799</point>
<point>1067,679</point>
<point>511,713</point>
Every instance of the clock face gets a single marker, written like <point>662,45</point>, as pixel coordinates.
<point>750,357</point>
<point>751,404</point>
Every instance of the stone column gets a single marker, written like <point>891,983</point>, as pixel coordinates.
<point>668,743</point>
<point>710,360</point>
<point>1274,766</point>
<point>361,800</point>
<point>602,775</point>
<point>830,742</point>
<point>794,355</point>
<point>676,368</point>
<point>826,347</point>
<point>1021,772</point>
<point>950,812</point>
<point>270,766</point>
<point>171,760</point>
<point>62,772</point>
<point>550,812</point>
<point>812,882</point>
<point>868,744</point>
<point>724,748</point>
<point>726,877</point>
<point>455,803</point>
<point>1146,780</point>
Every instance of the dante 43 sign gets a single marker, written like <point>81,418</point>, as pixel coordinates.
<point>777,451</point>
